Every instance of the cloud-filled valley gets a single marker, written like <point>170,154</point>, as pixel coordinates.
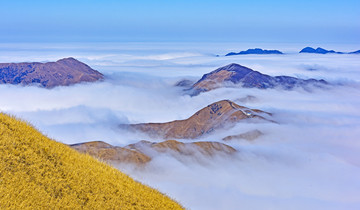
<point>309,158</point>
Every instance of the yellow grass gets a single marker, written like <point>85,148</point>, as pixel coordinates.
<point>37,172</point>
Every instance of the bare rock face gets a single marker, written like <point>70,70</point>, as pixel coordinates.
<point>63,72</point>
<point>250,136</point>
<point>237,75</point>
<point>142,152</point>
<point>215,116</point>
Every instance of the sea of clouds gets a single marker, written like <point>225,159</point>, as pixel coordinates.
<point>308,160</point>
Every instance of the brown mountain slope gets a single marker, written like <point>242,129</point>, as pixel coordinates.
<point>214,116</point>
<point>111,153</point>
<point>63,72</point>
<point>241,76</point>
<point>205,148</point>
<point>143,151</point>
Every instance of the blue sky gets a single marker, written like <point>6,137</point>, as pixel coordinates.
<point>317,21</point>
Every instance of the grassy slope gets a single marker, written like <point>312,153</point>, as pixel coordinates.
<point>36,172</point>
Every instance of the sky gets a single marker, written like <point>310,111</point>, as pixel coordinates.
<point>280,21</point>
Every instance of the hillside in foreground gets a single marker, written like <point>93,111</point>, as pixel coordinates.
<point>37,172</point>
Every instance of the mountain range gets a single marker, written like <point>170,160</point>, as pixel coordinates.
<point>259,51</point>
<point>219,115</point>
<point>320,50</point>
<point>63,72</point>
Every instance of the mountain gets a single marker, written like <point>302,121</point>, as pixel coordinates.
<point>318,51</point>
<point>355,52</point>
<point>205,148</point>
<point>235,74</point>
<point>250,135</point>
<point>111,154</point>
<point>215,116</point>
<point>142,152</point>
<point>255,51</point>
<point>63,72</point>
<point>39,173</point>
<point>185,83</point>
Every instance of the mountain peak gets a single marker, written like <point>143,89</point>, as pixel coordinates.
<point>212,117</point>
<point>234,67</point>
<point>232,72</point>
<point>68,60</point>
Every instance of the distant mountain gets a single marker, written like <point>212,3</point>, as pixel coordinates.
<point>255,51</point>
<point>355,52</point>
<point>318,51</point>
<point>250,136</point>
<point>215,116</point>
<point>185,83</point>
<point>63,72</point>
<point>142,152</point>
<point>235,74</point>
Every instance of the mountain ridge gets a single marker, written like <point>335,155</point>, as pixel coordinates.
<point>318,50</point>
<point>235,74</point>
<point>64,72</point>
<point>215,116</point>
<point>143,152</point>
<point>256,51</point>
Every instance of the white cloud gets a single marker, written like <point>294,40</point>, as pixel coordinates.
<point>309,160</point>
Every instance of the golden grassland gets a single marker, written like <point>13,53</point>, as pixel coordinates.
<point>37,172</point>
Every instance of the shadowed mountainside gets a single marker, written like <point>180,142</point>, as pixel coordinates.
<point>63,72</point>
<point>235,74</point>
<point>215,116</point>
<point>142,152</point>
<point>39,173</point>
